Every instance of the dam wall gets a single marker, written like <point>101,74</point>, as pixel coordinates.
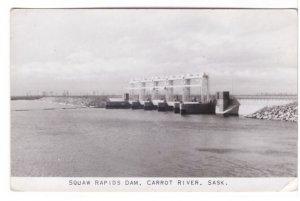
<point>247,106</point>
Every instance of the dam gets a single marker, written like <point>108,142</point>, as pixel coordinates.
<point>185,103</point>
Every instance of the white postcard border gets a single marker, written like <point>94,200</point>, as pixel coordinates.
<point>6,192</point>
<point>185,184</point>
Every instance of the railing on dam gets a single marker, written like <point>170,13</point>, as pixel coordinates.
<point>268,97</point>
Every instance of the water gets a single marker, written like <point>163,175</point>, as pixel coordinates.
<point>115,143</point>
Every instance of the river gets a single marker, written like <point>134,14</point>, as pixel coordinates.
<point>51,139</point>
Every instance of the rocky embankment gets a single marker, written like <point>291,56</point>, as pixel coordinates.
<point>288,112</point>
<point>84,101</point>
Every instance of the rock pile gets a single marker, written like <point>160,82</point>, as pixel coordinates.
<point>88,101</point>
<point>288,112</point>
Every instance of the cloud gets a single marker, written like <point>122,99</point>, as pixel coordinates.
<point>103,49</point>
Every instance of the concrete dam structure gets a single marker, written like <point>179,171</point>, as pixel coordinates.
<point>201,103</point>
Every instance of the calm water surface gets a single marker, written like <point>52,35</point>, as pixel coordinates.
<point>49,139</point>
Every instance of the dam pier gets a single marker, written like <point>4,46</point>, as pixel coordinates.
<point>157,93</point>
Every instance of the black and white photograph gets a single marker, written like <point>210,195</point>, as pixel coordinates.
<point>187,99</point>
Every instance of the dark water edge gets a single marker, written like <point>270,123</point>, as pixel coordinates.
<point>94,142</point>
<point>25,97</point>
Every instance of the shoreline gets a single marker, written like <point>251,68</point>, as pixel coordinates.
<point>280,112</point>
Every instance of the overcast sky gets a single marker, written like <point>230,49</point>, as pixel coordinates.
<point>249,51</point>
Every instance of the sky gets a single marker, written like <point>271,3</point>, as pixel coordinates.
<point>244,51</point>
